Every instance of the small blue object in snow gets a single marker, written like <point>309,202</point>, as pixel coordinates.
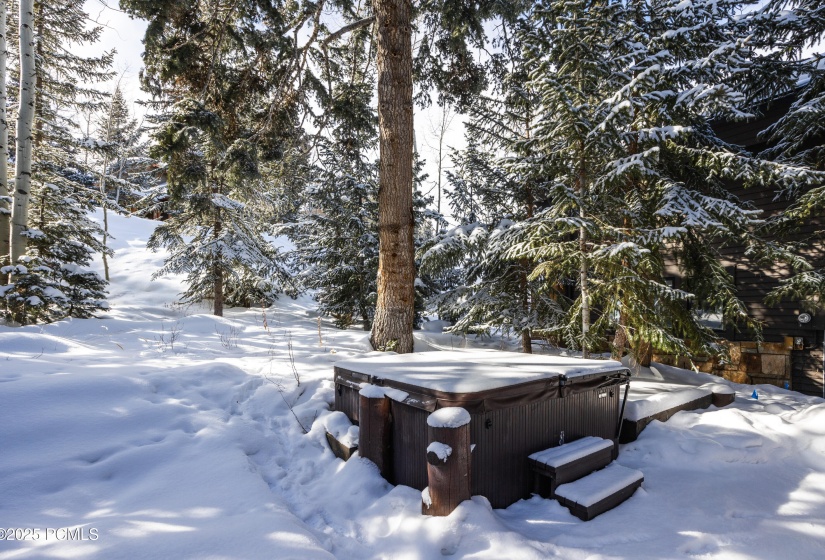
<point>787,385</point>
<point>755,395</point>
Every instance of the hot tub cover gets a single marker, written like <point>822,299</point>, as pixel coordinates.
<point>479,380</point>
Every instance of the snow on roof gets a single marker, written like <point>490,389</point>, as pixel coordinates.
<point>475,371</point>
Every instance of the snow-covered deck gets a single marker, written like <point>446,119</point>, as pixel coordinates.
<point>476,371</point>
<point>653,396</point>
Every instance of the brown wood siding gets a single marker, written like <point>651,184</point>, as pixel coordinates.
<point>746,133</point>
<point>806,371</point>
<point>754,281</point>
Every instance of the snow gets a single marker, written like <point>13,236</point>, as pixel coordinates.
<point>395,394</point>
<point>371,391</point>
<point>597,486</point>
<point>144,426</point>
<point>448,417</point>
<point>654,404</point>
<point>441,450</point>
<point>569,452</point>
<point>339,426</point>
<point>474,371</point>
<point>425,497</point>
<point>718,388</point>
<point>652,392</point>
<point>376,392</point>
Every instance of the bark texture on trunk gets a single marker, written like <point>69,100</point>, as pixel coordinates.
<point>25,119</point>
<point>585,290</point>
<point>620,339</point>
<point>524,285</point>
<point>644,353</point>
<point>5,202</point>
<point>583,265</point>
<point>395,307</point>
<point>218,272</point>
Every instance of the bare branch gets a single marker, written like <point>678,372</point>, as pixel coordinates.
<point>346,29</point>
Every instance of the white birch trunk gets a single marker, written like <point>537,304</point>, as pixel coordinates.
<point>25,122</point>
<point>5,201</point>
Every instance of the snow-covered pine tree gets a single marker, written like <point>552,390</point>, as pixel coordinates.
<point>491,188</point>
<point>790,36</point>
<point>118,144</point>
<point>121,146</point>
<point>567,59</point>
<point>336,240</point>
<point>637,175</point>
<point>213,69</point>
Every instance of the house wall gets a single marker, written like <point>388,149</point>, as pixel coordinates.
<point>773,360</point>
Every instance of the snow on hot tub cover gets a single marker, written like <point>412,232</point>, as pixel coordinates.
<point>473,372</point>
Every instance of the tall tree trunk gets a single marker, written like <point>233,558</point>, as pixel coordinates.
<point>218,271</point>
<point>103,203</point>
<point>585,289</point>
<point>644,353</point>
<point>5,206</point>
<point>620,339</point>
<point>395,307</point>
<point>527,300</point>
<point>104,199</point>
<point>25,118</point>
<point>105,242</point>
<point>583,267</point>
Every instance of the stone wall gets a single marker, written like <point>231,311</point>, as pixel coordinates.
<point>748,362</point>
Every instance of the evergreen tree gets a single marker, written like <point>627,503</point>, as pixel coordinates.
<point>493,187</point>
<point>790,35</point>
<point>636,176</point>
<point>212,68</point>
<point>337,239</point>
<point>118,142</point>
<point>337,242</point>
<point>120,147</point>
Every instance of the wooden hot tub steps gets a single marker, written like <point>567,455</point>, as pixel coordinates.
<point>600,491</point>
<point>569,462</point>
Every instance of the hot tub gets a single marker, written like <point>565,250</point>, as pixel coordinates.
<point>518,403</point>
